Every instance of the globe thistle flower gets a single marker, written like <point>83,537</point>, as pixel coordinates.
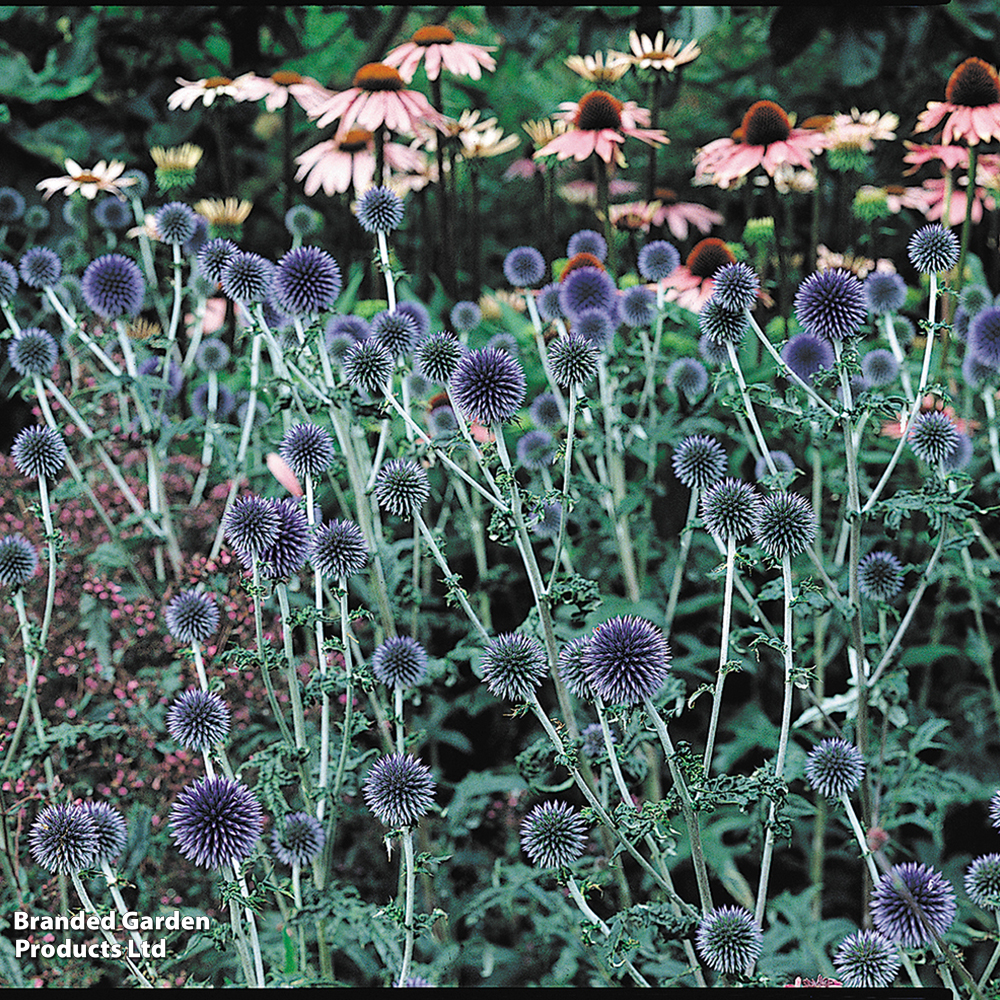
<point>442,422</point>
<point>699,461</point>
<point>39,267</point>
<point>960,457</point>
<point>831,304</point>
<point>658,260</point>
<point>536,449</point>
<point>638,305</point>
<point>251,525</point>
<point>728,939</point>
<point>112,833</point>
<point>308,449</point>
<point>8,281</point>
<point>247,277</point>
<point>298,840</point>
<point>39,451</point>
<point>438,356</point>
<point>399,662</point>
<point>587,241</point>
<point>714,352</point>
<point>786,524</point>
<point>379,210</point>
<point>866,960</point>
<point>191,616</point>
<point>11,205</point>
<point>595,326</point>
<point>880,576</point>
<point>214,255</point>
<point>198,719</point>
<point>549,305</point>
<point>722,325</point>
<point>18,560</point>
<point>879,367</point>
<point>113,286</point>
<point>911,904</point>
<point>984,337</point>
<point>175,223</point>
<point>546,522</point>
<point>355,328</point>
<point>982,881</point>
<point>465,316</point>
<point>288,551</point>
<point>544,409</point>
<point>302,221</point>
<point>114,214</point>
<point>933,436</point>
<point>995,810</point>
<point>960,323</point>
<point>587,288</point>
<point>399,790</point>
<point>368,365</point>
<point>553,835</point>
<point>933,249</point>
<point>396,331</point>
<point>338,549</point>
<point>417,311</point>
<point>504,341</point>
<point>885,292</point>
<point>572,666</point>
<point>32,351</point>
<point>212,355</point>
<point>974,298</point>
<point>306,281</point>
<point>524,267</point>
<point>781,460</point>
<point>488,385</point>
<point>736,286</point>
<point>626,660</point>
<point>976,374</point>
<point>64,839</point>
<point>513,666</point>
<point>688,377</point>
<point>730,509</point>
<point>806,354</point>
<point>216,822</point>
<point>401,487</point>
<point>592,741</point>
<point>835,767</point>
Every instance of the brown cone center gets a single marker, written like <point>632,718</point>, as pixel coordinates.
<point>356,140</point>
<point>433,34</point>
<point>377,76</point>
<point>285,77</point>
<point>708,256</point>
<point>764,123</point>
<point>598,110</point>
<point>974,84</point>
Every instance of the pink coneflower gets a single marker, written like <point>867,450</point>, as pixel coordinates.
<point>437,47</point>
<point>204,90</point>
<point>634,216</point>
<point>971,108</point>
<point>335,164</point>
<point>680,216</point>
<point>765,139</point>
<point>691,284</point>
<point>584,192</point>
<point>277,88</point>
<point>934,194</point>
<point>948,156</point>
<point>378,98</point>
<point>600,123</point>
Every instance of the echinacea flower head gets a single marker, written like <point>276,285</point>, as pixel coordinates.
<point>513,666</point>
<point>64,838</point>
<point>247,277</point>
<point>553,835</point>
<point>216,822</point>
<point>379,210</point>
<point>885,292</point>
<point>436,46</point>
<point>586,288</point>
<point>8,281</point>
<point>191,616</point>
<point>399,790</point>
<point>879,367</point>
<point>724,326</point>
<point>808,353</point>
<point>524,267</point>
<point>39,451</point>
<point>688,377</point>
<point>308,449</point>
<point>251,525</point>
<point>401,487</point>
<point>18,560</point>
<point>866,960</point>
<point>982,881</point>
<point>438,356</point>
<point>297,839</point>
<point>368,365</point>
<point>465,316</point>
<point>113,286</point>
<point>214,255</point>
<point>984,337</point>
<point>488,385</point>
<point>33,351</point>
<point>339,549</point>
<point>933,249</point>
<point>736,286</point>
<point>913,903</point>
<point>175,165</point>
<point>730,509</point>
<point>306,281</point>
<point>933,436</point>
<point>627,660</point>
<point>658,260</point>
<point>656,54</point>
<point>587,241</point>
<point>399,662</point>
<point>102,176</point>
<point>728,939</point>
<point>396,330</point>
<point>699,461</point>
<point>786,524</point>
<point>831,304</point>
<point>572,666</point>
<point>971,108</point>
<point>175,222</point>
<point>835,767</point>
<point>198,719</point>
<point>278,87</point>
<point>207,90</point>
<point>39,267</point>
<point>112,832</point>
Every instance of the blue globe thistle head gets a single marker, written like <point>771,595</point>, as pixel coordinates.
<point>175,222</point>
<point>302,221</point>
<point>11,205</point>
<point>33,351</point>
<point>904,329</point>
<point>114,214</point>
<point>112,832</point>
<point>995,810</point>
<point>984,337</point>
<point>713,352</point>
<point>536,449</point>
<point>399,790</point>
<point>37,218</point>
<point>736,286</point>
<point>879,367</point>
<point>730,509</point>
<point>658,260</point>
<point>699,461</point>
<point>586,288</point>
<point>524,267</point>
<point>368,366</point>
<point>261,413</point>
<point>396,331</point>
<point>961,456</point>
<point>982,881</point>
<point>553,835</point>
<point>504,341</point>
<point>687,377</point>
<point>379,210</point>
<point>64,838</point>
<point>251,525</point>
<point>783,462</point>
<point>974,298</point>
<point>728,939</point>
<point>338,549</point>
<point>191,616</point>
<point>835,767</point>
<point>724,326</point>
<point>960,323</point>
<point>638,305</point>
<point>214,255</point>
<point>513,666</point>
<point>308,449</point>
<point>138,187</point>
<point>587,241</point>
<point>786,524</point>
<point>546,520</point>
<point>198,719</point>
<point>289,550</point>
<point>442,422</point>
<point>212,355</point>
<point>545,412</point>
<point>306,281</point>
<point>933,249</point>
<point>627,660</point>
<point>572,666</point>
<point>39,451</point>
<point>977,375</point>
<point>418,312</point>
<point>399,662</point>
<point>592,742</point>
<point>911,904</point>
<point>831,304</point>
<point>216,822</point>
<point>8,281</point>
<point>297,839</point>
<point>596,326</point>
<point>885,292</point>
<point>354,327</point>
<point>808,353</point>
<point>880,576</point>
<point>933,437</point>
<point>39,267</point>
<point>465,316</point>
<point>488,386</point>
<point>866,960</point>
<point>247,277</point>
<point>402,487</point>
<point>18,560</point>
<point>438,356</point>
<point>549,304</point>
<point>197,239</point>
<point>225,402</point>
<point>113,286</point>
